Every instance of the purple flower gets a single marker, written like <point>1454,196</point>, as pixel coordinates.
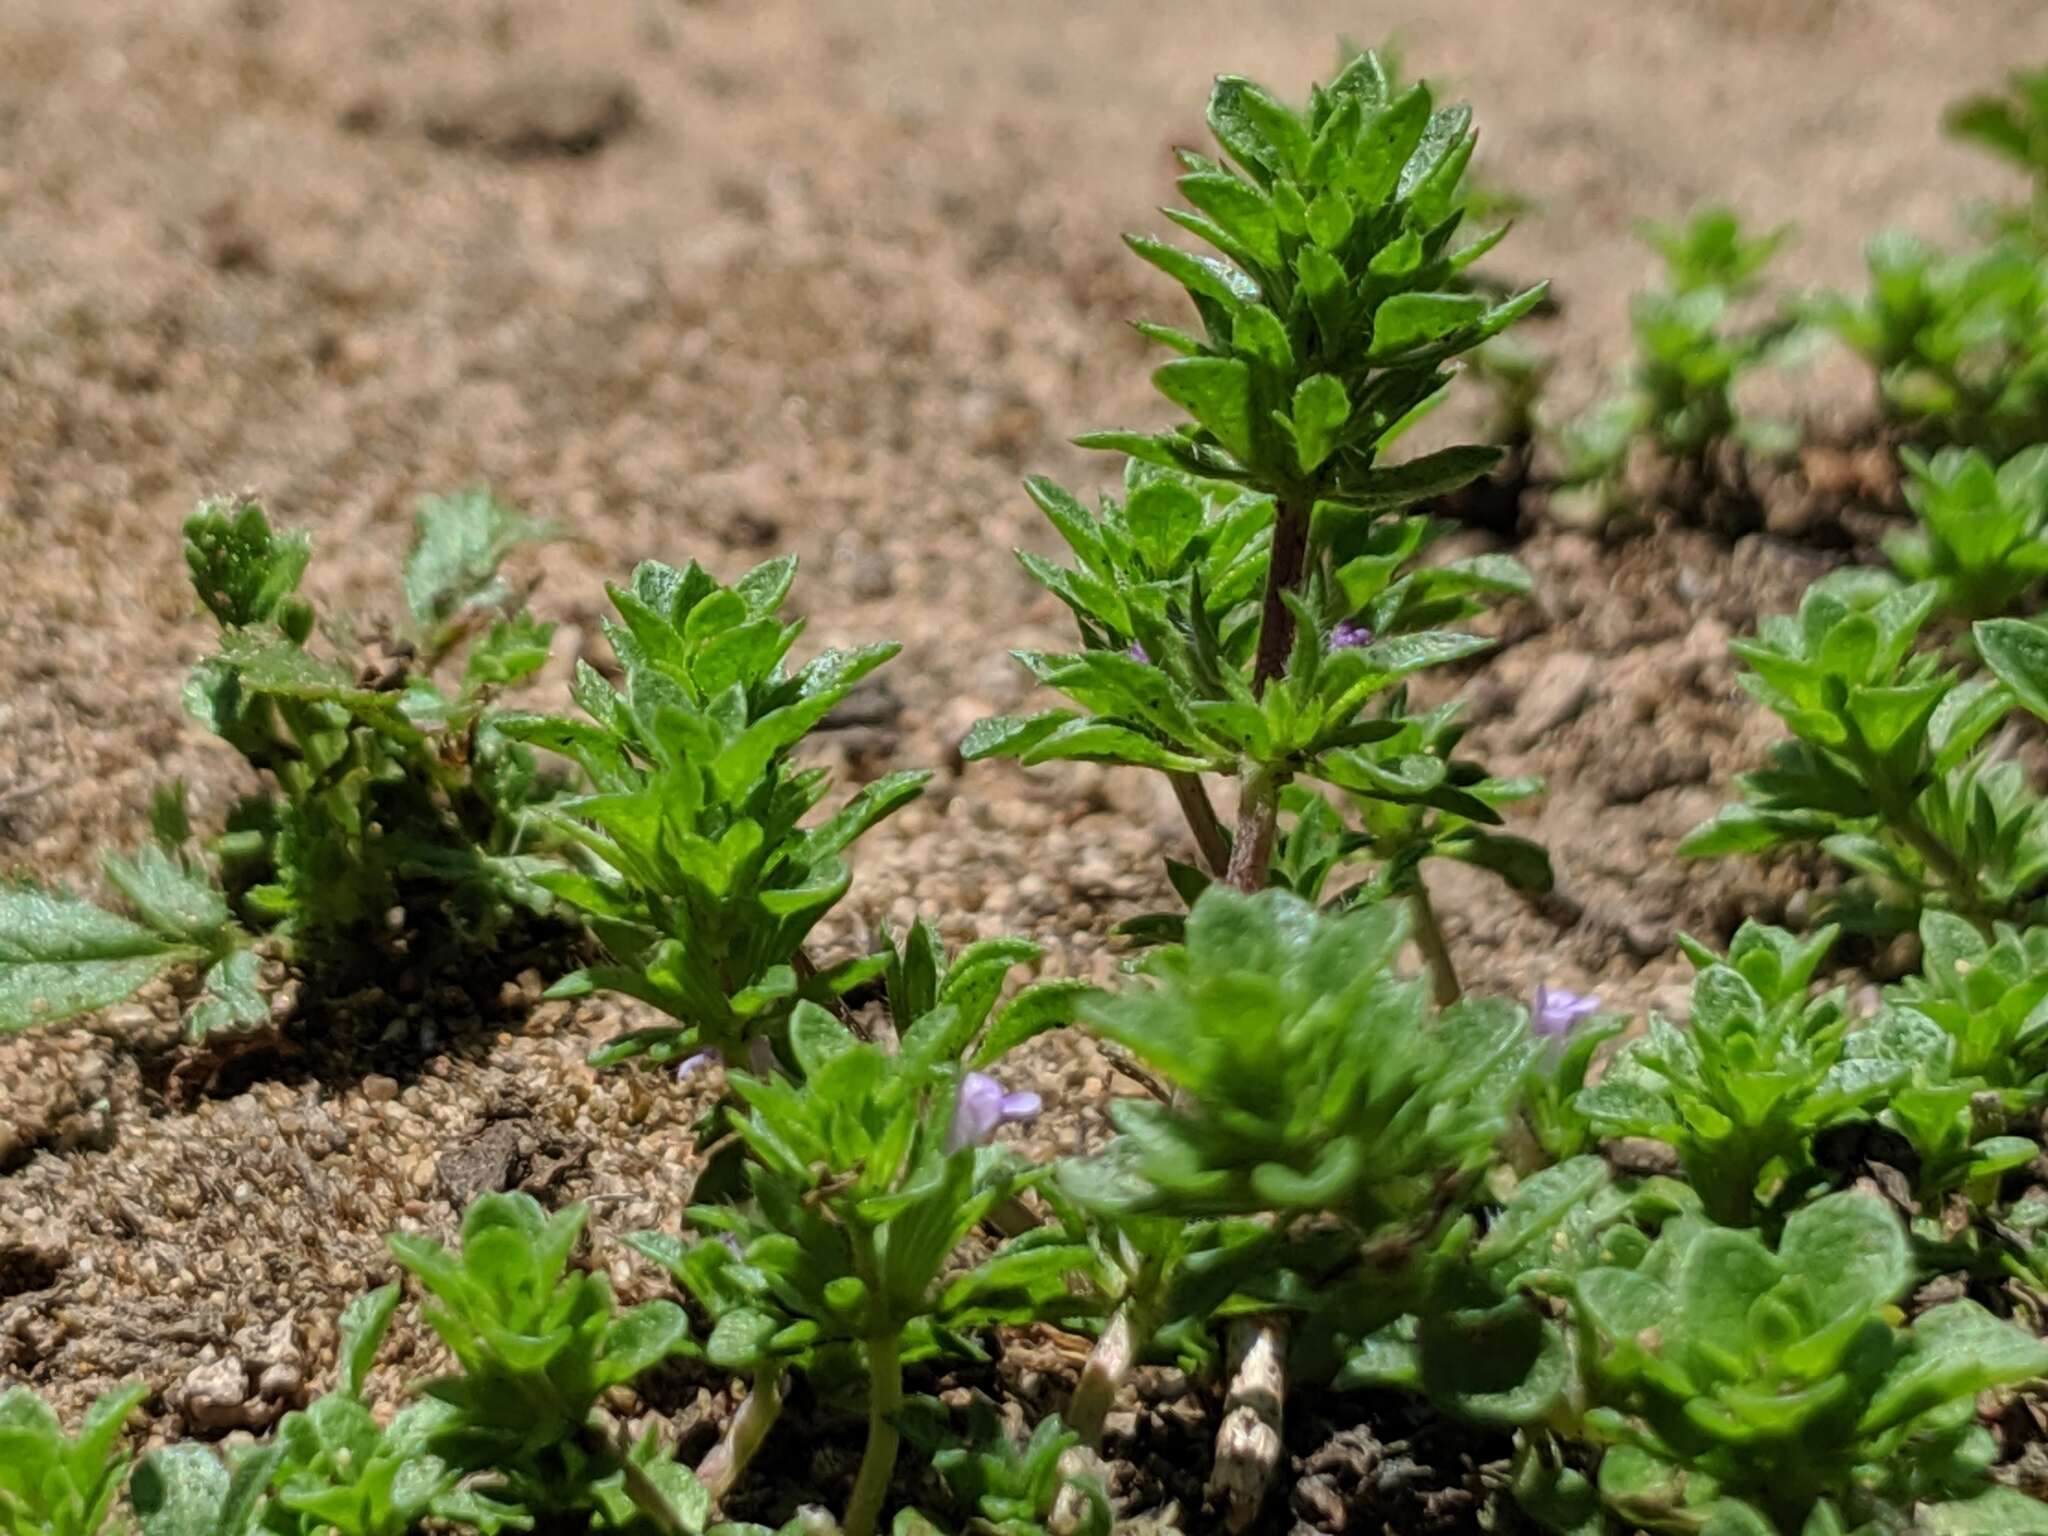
<point>690,1066</point>
<point>1349,636</point>
<point>1557,1010</point>
<point>1137,653</point>
<point>760,1060</point>
<point>984,1107</point>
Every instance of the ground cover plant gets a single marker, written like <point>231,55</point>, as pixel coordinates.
<point>391,792</point>
<point>1775,1267</point>
<point>1692,354</point>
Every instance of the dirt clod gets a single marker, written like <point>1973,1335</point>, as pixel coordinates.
<point>537,114</point>
<point>215,1396</point>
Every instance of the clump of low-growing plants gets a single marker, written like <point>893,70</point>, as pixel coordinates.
<point>1694,349</point>
<point>382,790</point>
<point>1346,1172</point>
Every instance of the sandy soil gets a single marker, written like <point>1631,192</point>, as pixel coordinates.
<point>714,279</point>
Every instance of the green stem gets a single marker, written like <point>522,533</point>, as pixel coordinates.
<point>1284,570</point>
<point>1258,804</point>
<point>1949,872</point>
<point>1210,838</point>
<point>1945,866</point>
<point>1258,820</point>
<point>645,1493</point>
<point>1429,937</point>
<point>878,1461</point>
<point>1899,808</point>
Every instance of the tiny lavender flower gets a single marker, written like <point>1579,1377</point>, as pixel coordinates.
<point>1137,653</point>
<point>1557,1010</point>
<point>760,1060</point>
<point>690,1066</point>
<point>985,1107</point>
<point>1348,636</point>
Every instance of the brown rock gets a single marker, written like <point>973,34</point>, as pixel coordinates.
<point>216,1395</point>
<point>1554,698</point>
<point>535,115</point>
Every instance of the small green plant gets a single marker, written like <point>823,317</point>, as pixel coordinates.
<point>697,874</point>
<point>2014,126</point>
<point>1982,537</point>
<point>1007,1489</point>
<point>1571,1030</point>
<point>1313,1094</point>
<point>867,1174</point>
<point>1884,771</point>
<point>789,1282</point>
<point>331,1470</point>
<point>1753,1391</point>
<point>1309,1076</point>
<point>1741,1094</point>
<point>1712,250</point>
<point>1989,996</point>
<point>52,1484</point>
<point>394,792</point>
<point>1959,342</point>
<point>1244,610</point>
<point>61,955</point>
<point>391,793</point>
<point>1691,358</point>
<point>536,1344</point>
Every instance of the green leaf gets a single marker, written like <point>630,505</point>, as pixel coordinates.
<point>231,999</point>
<point>873,803</point>
<point>170,821</point>
<point>1419,479</point>
<point>510,651</point>
<point>182,1490</point>
<point>1260,134</point>
<point>2017,651</point>
<point>364,1322</point>
<point>1321,412</point>
<point>459,542</point>
<point>1852,1249</point>
<point>816,1038</point>
<point>1011,735</point>
<point>1038,1008</point>
<point>1995,1512</point>
<point>642,1339</point>
<point>740,1340</point>
<point>61,956</point>
<point>1523,864</point>
<point>1506,1364</point>
<point>1203,276</point>
<point>1162,516</point>
<point>170,895</point>
<point>1240,211</point>
<point>763,588</point>
<point>1217,392</point>
<point>1102,742</point>
<point>242,571</point>
<point>1408,322</point>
